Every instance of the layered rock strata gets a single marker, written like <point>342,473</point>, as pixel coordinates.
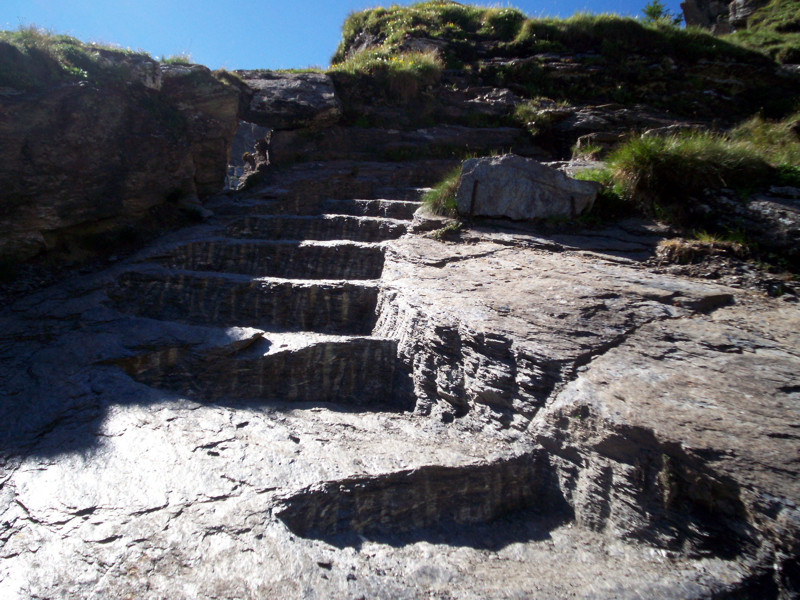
<point>514,414</point>
<point>83,164</point>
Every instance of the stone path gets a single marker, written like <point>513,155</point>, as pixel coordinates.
<point>296,399</point>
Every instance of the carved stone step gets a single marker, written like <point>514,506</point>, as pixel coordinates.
<point>390,204</point>
<point>305,184</point>
<point>251,206</point>
<point>325,227</point>
<point>392,209</point>
<point>432,496</point>
<point>409,194</point>
<point>287,259</point>
<point>311,368</point>
<point>237,300</point>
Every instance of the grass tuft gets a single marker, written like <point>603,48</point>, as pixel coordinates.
<point>441,200</point>
<point>184,58</point>
<point>662,175</point>
<point>664,171</point>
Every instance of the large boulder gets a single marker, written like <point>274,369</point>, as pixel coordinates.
<point>290,100</point>
<point>520,188</point>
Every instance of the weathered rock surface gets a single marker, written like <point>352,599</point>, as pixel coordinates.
<point>514,415</point>
<point>79,161</point>
<point>720,16</point>
<point>520,189</point>
<point>358,143</point>
<point>290,100</point>
<point>769,220</point>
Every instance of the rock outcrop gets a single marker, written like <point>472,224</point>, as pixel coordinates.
<point>88,160</point>
<point>297,395</point>
<point>721,16</point>
<point>307,396</point>
<point>290,100</point>
<point>520,189</point>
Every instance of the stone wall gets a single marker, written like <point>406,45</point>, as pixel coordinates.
<point>88,158</point>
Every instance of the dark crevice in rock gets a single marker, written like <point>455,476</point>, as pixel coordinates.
<point>454,259</point>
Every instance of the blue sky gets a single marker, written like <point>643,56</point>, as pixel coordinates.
<point>238,35</point>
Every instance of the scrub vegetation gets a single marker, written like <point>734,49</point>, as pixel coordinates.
<point>660,174</point>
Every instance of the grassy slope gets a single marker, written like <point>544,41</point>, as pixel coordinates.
<point>584,58</point>
<point>33,59</point>
<point>775,30</point>
<point>511,33</point>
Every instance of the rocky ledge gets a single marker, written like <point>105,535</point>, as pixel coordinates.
<point>511,414</point>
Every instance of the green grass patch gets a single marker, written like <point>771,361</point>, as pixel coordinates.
<point>661,175</point>
<point>663,171</point>
<point>33,59</point>
<point>399,77</point>
<point>441,200</point>
<point>774,30</point>
<point>440,19</point>
<point>607,34</point>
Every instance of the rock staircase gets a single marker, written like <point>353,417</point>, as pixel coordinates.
<point>240,411</point>
<point>300,290</point>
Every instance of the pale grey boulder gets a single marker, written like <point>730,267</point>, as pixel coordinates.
<point>521,189</point>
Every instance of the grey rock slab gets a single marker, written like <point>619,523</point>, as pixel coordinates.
<point>521,189</point>
<point>705,410</point>
<point>291,100</point>
<point>515,346</point>
<point>495,325</point>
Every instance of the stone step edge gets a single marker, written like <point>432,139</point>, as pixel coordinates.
<point>153,270</point>
<point>322,217</point>
<point>163,250</point>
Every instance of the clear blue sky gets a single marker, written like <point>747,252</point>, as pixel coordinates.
<point>251,34</point>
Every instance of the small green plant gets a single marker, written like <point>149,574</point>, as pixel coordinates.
<point>441,199</point>
<point>587,151</point>
<point>184,58</point>
<point>533,117</point>
<point>448,232</point>
<point>655,13</point>
<point>707,238</point>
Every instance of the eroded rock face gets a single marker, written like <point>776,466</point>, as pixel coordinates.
<point>235,413</point>
<point>520,189</point>
<point>79,160</point>
<point>361,143</point>
<point>290,100</point>
<point>720,16</point>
